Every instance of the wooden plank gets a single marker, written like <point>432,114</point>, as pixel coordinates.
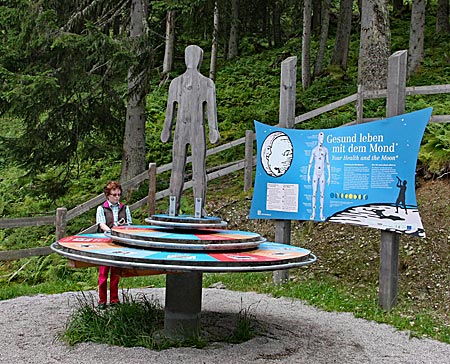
<point>211,151</point>
<point>90,230</point>
<point>26,221</point>
<point>410,91</point>
<point>375,94</point>
<point>225,146</point>
<point>326,108</point>
<point>440,119</point>
<point>86,206</point>
<point>24,253</point>
<point>227,170</point>
<point>427,90</point>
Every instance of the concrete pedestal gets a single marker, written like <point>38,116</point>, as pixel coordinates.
<point>183,304</point>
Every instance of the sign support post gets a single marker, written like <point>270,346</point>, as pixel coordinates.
<point>390,241</point>
<point>288,89</point>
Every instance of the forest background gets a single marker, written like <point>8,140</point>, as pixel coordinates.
<point>83,88</point>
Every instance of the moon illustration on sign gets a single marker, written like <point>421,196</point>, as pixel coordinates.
<point>276,154</point>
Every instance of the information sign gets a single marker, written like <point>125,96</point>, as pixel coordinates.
<point>362,174</point>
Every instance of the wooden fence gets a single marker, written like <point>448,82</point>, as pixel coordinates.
<point>63,216</point>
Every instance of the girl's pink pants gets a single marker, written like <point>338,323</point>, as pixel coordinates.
<point>103,285</point>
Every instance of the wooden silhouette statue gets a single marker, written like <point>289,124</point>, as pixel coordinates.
<point>189,95</point>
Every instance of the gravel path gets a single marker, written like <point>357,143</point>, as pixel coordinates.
<point>297,334</point>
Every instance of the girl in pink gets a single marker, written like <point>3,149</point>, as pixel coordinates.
<point>110,213</point>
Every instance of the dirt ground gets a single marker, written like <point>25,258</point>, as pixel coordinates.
<point>295,333</point>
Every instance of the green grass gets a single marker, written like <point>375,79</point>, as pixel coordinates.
<point>139,321</point>
<point>328,294</point>
<point>133,323</point>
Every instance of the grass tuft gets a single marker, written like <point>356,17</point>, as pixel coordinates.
<point>139,321</point>
<point>245,328</point>
<point>129,324</point>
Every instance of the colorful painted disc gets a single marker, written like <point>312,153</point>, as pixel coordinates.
<point>101,250</point>
<point>186,221</point>
<point>156,237</point>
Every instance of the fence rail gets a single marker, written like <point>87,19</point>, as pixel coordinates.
<point>247,163</point>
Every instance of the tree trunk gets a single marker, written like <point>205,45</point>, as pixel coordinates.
<point>416,36</point>
<point>133,160</point>
<point>397,7</point>
<point>325,12</point>
<point>233,40</point>
<point>340,52</point>
<point>276,19</point>
<point>374,47</point>
<point>316,16</point>
<point>170,44</point>
<point>306,42</point>
<point>442,22</point>
<point>214,43</point>
<point>267,20</point>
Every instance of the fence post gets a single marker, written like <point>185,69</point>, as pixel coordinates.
<point>151,188</point>
<point>288,89</point>
<point>390,241</point>
<point>61,223</point>
<point>248,162</point>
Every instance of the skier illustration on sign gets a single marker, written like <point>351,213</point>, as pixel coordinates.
<point>319,156</point>
<point>401,199</point>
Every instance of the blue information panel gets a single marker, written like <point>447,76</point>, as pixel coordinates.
<point>362,174</point>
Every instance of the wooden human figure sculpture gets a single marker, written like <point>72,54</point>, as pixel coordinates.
<point>189,94</point>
